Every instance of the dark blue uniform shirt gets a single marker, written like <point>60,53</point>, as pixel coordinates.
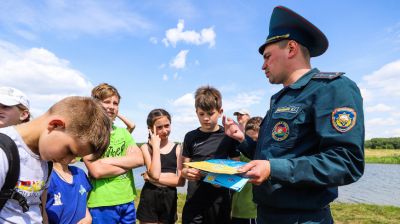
<point>313,136</point>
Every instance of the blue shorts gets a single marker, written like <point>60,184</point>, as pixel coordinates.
<point>124,214</point>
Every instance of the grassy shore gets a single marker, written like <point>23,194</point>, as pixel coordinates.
<point>385,156</point>
<point>343,213</point>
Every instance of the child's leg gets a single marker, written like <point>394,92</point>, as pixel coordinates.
<point>167,206</point>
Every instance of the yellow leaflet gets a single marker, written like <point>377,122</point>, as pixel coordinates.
<point>213,167</point>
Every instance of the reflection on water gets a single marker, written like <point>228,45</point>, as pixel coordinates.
<point>380,185</point>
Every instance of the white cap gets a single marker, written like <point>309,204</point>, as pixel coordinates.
<point>10,97</point>
<point>241,111</point>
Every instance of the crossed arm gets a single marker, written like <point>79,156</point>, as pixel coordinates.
<point>114,166</point>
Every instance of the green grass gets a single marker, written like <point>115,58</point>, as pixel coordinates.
<point>385,156</point>
<point>343,213</point>
<point>383,160</point>
<point>363,213</point>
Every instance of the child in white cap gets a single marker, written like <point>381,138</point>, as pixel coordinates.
<point>14,107</point>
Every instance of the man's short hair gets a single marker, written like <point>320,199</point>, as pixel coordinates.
<point>253,124</point>
<point>105,90</point>
<point>304,51</point>
<point>87,122</point>
<point>208,98</point>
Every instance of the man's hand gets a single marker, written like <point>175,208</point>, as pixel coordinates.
<point>191,174</point>
<point>257,171</point>
<point>232,129</point>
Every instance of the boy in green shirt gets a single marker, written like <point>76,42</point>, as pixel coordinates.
<point>111,200</point>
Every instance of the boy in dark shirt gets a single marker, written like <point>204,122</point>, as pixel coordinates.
<point>206,203</point>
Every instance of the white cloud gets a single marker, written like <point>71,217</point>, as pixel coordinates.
<point>176,76</point>
<point>39,73</point>
<point>381,127</point>
<point>179,61</point>
<point>165,77</point>
<point>27,19</point>
<point>175,35</point>
<point>153,40</point>
<point>381,94</point>
<point>186,100</point>
<point>379,108</point>
<point>184,113</point>
<point>184,116</point>
<point>380,121</point>
<point>245,99</point>
<point>385,80</point>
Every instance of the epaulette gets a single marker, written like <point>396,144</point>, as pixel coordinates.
<point>327,75</point>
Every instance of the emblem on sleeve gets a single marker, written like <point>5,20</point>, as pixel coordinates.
<point>280,131</point>
<point>344,119</point>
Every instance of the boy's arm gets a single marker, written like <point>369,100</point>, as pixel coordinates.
<point>87,219</point>
<point>44,213</point>
<point>132,159</point>
<point>130,126</point>
<point>3,167</point>
<point>97,169</point>
<point>190,173</point>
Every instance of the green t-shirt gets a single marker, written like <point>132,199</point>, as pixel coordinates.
<point>119,189</point>
<point>242,202</point>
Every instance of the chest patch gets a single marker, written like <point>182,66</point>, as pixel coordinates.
<point>280,131</point>
<point>344,119</point>
<point>288,109</point>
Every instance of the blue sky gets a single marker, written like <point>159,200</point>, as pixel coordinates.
<point>158,52</point>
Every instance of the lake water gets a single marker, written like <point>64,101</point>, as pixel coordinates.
<point>379,185</point>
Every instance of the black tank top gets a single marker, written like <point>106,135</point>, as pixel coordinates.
<point>168,161</point>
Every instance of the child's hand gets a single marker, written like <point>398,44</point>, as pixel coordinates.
<point>154,139</point>
<point>232,129</point>
<point>191,174</point>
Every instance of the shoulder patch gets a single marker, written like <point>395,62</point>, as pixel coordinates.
<point>344,119</point>
<point>327,75</point>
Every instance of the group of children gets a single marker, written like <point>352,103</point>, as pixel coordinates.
<point>84,127</point>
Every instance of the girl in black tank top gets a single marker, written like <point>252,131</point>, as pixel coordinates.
<point>158,199</point>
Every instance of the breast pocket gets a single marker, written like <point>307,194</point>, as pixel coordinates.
<point>285,127</point>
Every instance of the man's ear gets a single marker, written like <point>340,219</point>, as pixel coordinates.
<point>293,48</point>
<point>56,123</point>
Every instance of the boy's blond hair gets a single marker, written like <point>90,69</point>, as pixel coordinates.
<point>208,98</point>
<point>88,122</point>
<point>253,124</point>
<point>105,90</point>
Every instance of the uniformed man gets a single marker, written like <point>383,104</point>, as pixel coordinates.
<point>312,139</point>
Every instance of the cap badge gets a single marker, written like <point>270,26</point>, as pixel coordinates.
<point>278,37</point>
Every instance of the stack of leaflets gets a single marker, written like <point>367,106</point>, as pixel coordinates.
<point>222,172</point>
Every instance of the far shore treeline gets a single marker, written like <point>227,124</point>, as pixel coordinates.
<point>383,143</point>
